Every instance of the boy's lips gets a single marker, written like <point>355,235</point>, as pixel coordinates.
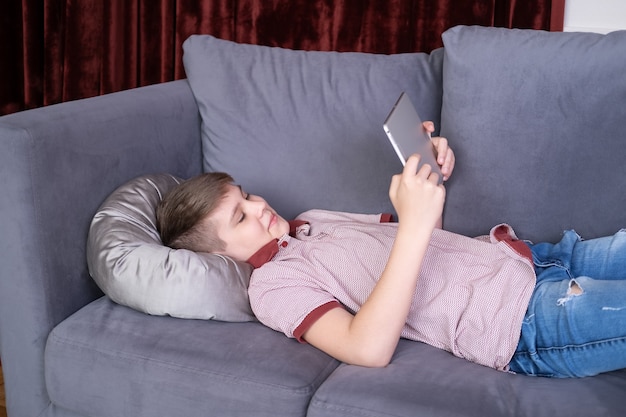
<point>273,220</point>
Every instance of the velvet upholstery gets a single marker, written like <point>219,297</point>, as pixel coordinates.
<point>303,104</point>
<point>424,381</point>
<point>51,161</point>
<point>149,363</point>
<point>527,97</point>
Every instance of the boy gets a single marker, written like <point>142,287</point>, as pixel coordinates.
<point>353,286</point>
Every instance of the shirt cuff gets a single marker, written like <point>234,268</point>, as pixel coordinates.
<point>312,317</point>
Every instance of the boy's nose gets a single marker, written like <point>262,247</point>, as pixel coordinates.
<point>259,207</point>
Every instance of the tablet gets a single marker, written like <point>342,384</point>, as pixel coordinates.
<point>407,135</point>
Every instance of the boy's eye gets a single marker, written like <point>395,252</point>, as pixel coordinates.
<point>243,215</point>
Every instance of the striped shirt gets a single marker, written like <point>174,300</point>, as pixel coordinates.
<point>470,299</point>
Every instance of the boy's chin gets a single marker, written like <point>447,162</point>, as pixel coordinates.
<point>281,227</point>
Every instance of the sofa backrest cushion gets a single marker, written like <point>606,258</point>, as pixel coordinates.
<point>537,121</point>
<point>130,264</point>
<point>304,129</point>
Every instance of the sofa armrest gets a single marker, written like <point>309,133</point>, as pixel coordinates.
<point>57,165</point>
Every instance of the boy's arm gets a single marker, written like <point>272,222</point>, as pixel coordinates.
<point>370,337</point>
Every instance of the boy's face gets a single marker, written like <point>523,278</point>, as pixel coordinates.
<point>246,223</point>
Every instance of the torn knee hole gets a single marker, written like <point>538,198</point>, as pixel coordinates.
<point>574,290</point>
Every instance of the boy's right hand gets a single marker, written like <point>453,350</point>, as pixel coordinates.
<point>415,195</point>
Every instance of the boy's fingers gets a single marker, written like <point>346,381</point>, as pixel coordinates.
<point>449,162</point>
<point>425,172</point>
<point>433,177</point>
<point>429,126</point>
<point>410,167</point>
<point>442,150</point>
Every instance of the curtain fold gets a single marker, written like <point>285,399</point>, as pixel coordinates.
<point>61,50</point>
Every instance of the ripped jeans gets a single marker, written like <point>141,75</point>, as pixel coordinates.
<point>575,325</point>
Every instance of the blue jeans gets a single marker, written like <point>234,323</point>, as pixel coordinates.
<point>575,325</point>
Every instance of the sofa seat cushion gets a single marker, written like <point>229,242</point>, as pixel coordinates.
<point>110,360</point>
<point>422,380</point>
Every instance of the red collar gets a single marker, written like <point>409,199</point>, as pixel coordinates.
<point>267,252</point>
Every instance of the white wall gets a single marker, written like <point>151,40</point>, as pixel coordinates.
<point>600,16</point>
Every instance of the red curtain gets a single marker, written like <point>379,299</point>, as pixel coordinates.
<point>61,50</point>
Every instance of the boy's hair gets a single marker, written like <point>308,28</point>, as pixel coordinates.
<point>182,214</point>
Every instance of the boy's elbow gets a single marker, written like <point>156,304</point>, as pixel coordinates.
<point>372,359</point>
<point>377,363</point>
<point>373,363</point>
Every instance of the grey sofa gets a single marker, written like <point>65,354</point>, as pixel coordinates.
<point>538,123</point>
